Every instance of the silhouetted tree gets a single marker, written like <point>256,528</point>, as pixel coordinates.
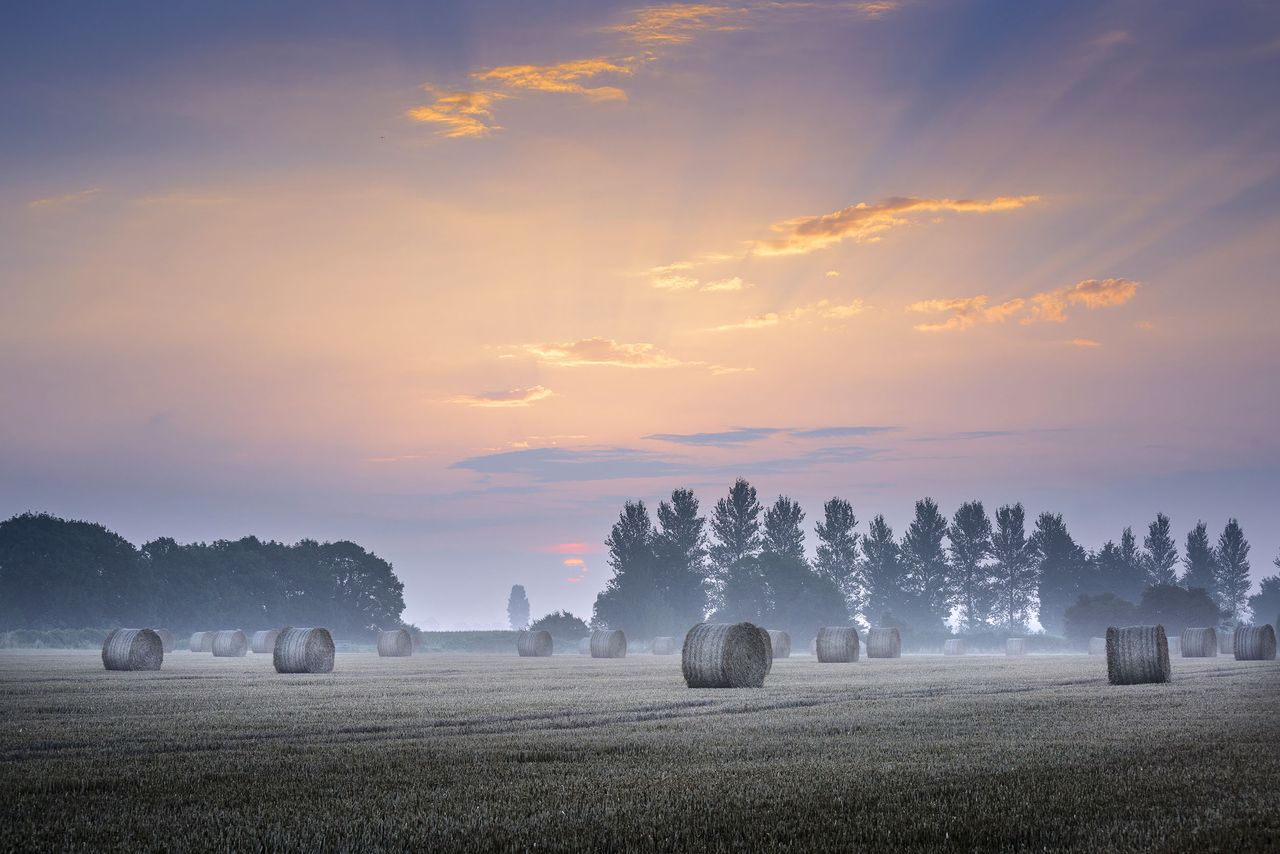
<point>1265,604</point>
<point>1199,561</point>
<point>838,552</point>
<point>1161,553</point>
<point>1015,571</point>
<point>1063,570</point>
<point>800,599</point>
<point>1177,608</point>
<point>565,628</point>
<point>681,549</point>
<point>631,600</point>
<point>1231,573</point>
<point>970,537</point>
<point>1133,562</point>
<point>735,524</point>
<point>518,608</point>
<point>1115,573</point>
<point>1090,616</point>
<point>882,571</point>
<point>927,572</point>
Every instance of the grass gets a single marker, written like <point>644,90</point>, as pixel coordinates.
<point>572,753</point>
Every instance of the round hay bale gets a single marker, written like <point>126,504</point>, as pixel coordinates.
<point>303,651</point>
<point>167,638</point>
<point>1137,655</point>
<point>1097,646</point>
<point>608,644</point>
<point>396,643</point>
<point>1199,643</point>
<point>664,645</point>
<point>132,649</point>
<point>264,642</point>
<point>201,642</point>
<point>535,644</point>
<point>954,646</point>
<point>725,655</point>
<point>884,643</point>
<point>230,643</point>
<point>780,643</point>
<point>584,646</point>
<point>1255,643</point>
<point>1227,643</point>
<point>839,644</point>
<point>1015,646</point>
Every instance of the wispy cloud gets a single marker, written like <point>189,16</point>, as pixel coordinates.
<point>724,439</point>
<point>677,23</point>
<point>964,312</point>
<point>839,432</point>
<point>563,77</point>
<point>1047,306</point>
<point>504,399</point>
<point>601,351</point>
<point>672,278</point>
<point>1051,306</point>
<point>1085,342</point>
<point>822,309</point>
<point>459,113</point>
<point>65,201</point>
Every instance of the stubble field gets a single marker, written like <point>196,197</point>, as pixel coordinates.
<point>482,752</point>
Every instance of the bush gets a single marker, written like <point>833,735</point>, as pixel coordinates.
<point>564,627</point>
<point>1090,617</point>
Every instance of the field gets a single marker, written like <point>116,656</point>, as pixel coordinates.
<point>444,752</point>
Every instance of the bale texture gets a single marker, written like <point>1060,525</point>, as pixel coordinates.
<point>839,644</point>
<point>780,643</point>
<point>608,644</point>
<point>303,651</point>
<point>132,649</point>
<point>1015,646</point>
<point>955,646</point>
<point>396,643</point>
<point>201,642</point>
<point>1137,655</point>
<point>230,643</point>
<point>884,643</point>
<point>1199,643</point>
<point>535,644</point>
<point>1227,643</point>
<point>1255,643</point>
<point>725,655</point>
<point>1097,646</point>
<point>584,646</point>
<point>264,642</point>
<point>167,639</point>
<point>664,645</point>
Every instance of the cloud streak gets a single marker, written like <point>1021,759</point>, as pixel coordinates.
<point>821,310</point>
<point>510,398</point>
<point>600,351</point>
<point>1044,307</point>
<point>562,77</point>
<point>459,113</point>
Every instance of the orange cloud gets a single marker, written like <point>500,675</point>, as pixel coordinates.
<point>504,399</point>
<point>576,561</point>
<point>460,114</point>
<point>568,549</point>
<point>601,351</point>
<point>964,311</point>
<point>562,77</point>
<point>822,309</point>
<point>1051,306</point>
<point>677,23</point>
<point>1085,342</point>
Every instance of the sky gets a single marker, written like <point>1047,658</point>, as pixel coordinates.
<point>455,281</point>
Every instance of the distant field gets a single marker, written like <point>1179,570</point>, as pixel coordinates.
<point>449,752</point>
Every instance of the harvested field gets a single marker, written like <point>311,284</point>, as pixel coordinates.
<point>450,752</point>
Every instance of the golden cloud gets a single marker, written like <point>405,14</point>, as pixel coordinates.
<point>1085,342</point>
<point>1048,306</point>
<point>822,309</point>
<point>461,113</point>
<point>562,77</point>
<point>677,23</point>
<point>601,351</point>
<point>504,399</point>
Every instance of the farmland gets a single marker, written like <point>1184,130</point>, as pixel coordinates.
<point>452,751</point>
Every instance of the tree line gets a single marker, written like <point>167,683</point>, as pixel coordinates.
<point>749,562</point>
<point>57,574</point>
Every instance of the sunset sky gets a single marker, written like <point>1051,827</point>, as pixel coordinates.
<point>456,280</point>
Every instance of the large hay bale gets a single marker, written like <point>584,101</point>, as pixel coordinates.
<point>230,643</point>
<point>303,651</point>
<point>1137,655</point>
<point>201,642</point>
<point>1255,643</point>
<point>264,642</point>
<point>607,643</point>
<point>396,643</point>
<point>1097,646</point>
<point>954,646</point>
<point>534,644</point>
<point>1015,646</point>
<point>884,643</point>
<point>584,646</point>
<point>167,639</point>
<point>132,649</point>
<point>839,644</point>
<point>725,655</point>
<point>664,645</point>
<point>780,643</point>
<point>1227,643</point>
<point>1199,643</point>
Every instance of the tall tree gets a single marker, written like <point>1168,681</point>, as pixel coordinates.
<point>518,608</point>
<point>974,592</point>
<point>631,600</point>
<point>1231,576</point>
<point>783,528</point>
<point>838,552</point>
<point>1161,552</point>
<point>1265,604</point>
<point>882,573</point>
<point>927,572</point>
<point>1133,559</point>
<point>1063,570</point>
<point>742,592</point>
<point>800,600</point>
<point>681,548</point>
<point>1199,561</point>
<point>1015,571</point>
<point>1115,571</point>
